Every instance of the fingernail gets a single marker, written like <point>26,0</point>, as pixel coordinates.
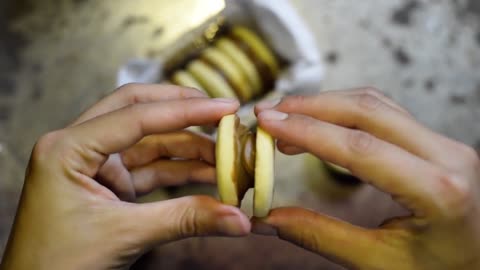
<point>273,115</point>
<point>268,104</point>
<point>225,100</point>
<point>261,228</point>
<point>234,225</point>
<point>198,91</point>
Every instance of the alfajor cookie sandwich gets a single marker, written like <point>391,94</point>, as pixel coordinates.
<point>244,160</point>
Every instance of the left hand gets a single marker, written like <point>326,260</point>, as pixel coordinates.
<point>74,213</point>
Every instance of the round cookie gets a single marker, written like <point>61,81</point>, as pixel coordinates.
<point>257,45</point>
<point>244,160</point>
<point>213,83</point>
<point>264,174</point>
<point>232,179</point>
<point>184,78</point>
<point>234,76</point>
<point>242,62</point>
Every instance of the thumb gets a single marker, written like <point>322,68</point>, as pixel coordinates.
<point>339,241</point>
<point>175,219</point>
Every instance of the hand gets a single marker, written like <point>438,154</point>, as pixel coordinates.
<point>71,215</point>
<point>436,178</point>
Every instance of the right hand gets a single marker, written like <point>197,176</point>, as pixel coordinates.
<point>434,177</point>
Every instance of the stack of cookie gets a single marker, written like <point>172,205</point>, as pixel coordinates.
<point>238,64</point>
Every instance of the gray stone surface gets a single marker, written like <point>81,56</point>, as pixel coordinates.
<point>57,57</point>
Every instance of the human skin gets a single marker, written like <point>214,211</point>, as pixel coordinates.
<point>77,207</point>
<point>437,179</point>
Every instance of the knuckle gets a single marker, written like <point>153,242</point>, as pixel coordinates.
<point>129,91</point>
<point>293,101</point>
<point>129,87</point>
<point>469,154</point>
<point>368,100</point>
<point>371,90</point>
<point>185,92</point>
<point>188,92</point>
<point>466,158</point>
<point>186,116</point>
<point>306,131</point>
<point>134,109</point>
<point>189,220</point>
<point>45,144</point>
<point>455,196</point>
<point>362,142</point>
<point>188,224</point>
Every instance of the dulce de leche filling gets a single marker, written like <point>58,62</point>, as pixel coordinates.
<point>248,152</point>
<point>244,149</point>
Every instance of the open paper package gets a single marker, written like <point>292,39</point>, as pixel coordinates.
<point>275,22</point>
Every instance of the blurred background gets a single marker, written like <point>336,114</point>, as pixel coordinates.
<point>57,57</point>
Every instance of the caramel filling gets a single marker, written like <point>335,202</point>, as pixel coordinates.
<point>248,152</point>
<point>244,149</point>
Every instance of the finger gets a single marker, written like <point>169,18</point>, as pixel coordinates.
<point>289,149</point>
<point>113,132</point>
<point>344,243</point>
<point>181,144</point>
<point>165,221</point>
<point>414,182</point>
<point>371,91</point>
<point>134,93</point>
<point>169,172</point>
<point>364,110</point>
<point>116,178</point>
<point>270,104</point>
